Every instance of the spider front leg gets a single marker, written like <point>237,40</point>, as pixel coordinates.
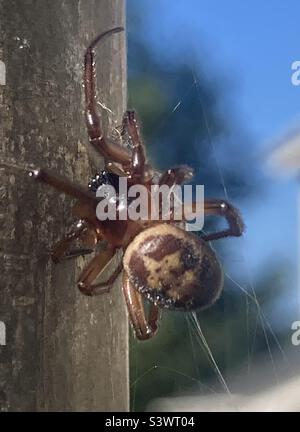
<point>109,151</point>
<point>219,207</point>
<point>94,269</point>
<point>139,170</point>
<point>138,156</point>
<point>144,328</point>
<point>222,208</point>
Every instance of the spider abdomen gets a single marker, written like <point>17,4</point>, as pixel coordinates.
<point>173,268</point>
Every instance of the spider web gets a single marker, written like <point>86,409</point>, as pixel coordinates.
<point>255,322</point>
<point>198,339</point>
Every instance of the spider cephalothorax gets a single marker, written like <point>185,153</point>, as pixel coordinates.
<point>103,178</point>
<point>162,262</point>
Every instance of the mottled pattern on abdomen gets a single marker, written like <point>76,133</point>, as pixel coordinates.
<point>173,268</point>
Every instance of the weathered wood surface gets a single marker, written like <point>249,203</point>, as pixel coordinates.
<point>63,351</point>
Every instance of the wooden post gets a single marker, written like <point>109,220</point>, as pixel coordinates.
<point>63,351</point>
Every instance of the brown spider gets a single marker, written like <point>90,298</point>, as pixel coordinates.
<point>163,263</point>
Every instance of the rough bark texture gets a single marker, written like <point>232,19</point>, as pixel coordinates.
<point>63,351</point>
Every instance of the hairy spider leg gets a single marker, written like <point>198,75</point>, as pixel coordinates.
<point>81,228</point>
<point>101,260</point>
<point>144,328</point>
<point>220,207</point>
<point>138,157</point>
<point>64,185</point>
<point>176,176</point>
<point>74,253</point>
<point>94,269</point>
<point>60,248</point>
<point>172,177</point>
<point>109,151</point>
<point>113,168</point>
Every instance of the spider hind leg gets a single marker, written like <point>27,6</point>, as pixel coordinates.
<point>144,327</point>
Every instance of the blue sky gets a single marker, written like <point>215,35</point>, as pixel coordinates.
<point>253,42</point>
<point>253,45</point>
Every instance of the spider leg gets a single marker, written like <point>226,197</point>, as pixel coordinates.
<point>108,150</point>
<point>138,157</point>
<point>113,168</point>
<point>94,269</point>
<point>219,207</point>
<point>144,328</point>
<point>76,253</point>
<point>222,208</point>
<point>176,176</point>
<point>64,185</point>
<point>59,250</point>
